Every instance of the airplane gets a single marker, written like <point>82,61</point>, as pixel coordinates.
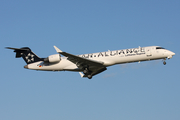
<point>92,64</point>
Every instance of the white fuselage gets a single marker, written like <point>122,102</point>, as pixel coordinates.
<point>108,58</point>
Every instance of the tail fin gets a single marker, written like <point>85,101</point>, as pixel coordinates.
<point>26,54</point>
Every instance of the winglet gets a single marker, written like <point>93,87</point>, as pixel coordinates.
<point>57,49</point>
<point>81,75</point>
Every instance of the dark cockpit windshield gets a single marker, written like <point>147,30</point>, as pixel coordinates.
<point>160,48</point>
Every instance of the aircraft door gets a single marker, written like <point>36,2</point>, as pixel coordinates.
<point>148,52</point>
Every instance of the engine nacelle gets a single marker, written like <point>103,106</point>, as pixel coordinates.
<point>53,58</point>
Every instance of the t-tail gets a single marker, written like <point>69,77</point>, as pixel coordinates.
<point>26,53</point>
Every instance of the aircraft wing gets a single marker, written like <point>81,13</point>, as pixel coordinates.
<point>79,61</point>
<point>95,66</point>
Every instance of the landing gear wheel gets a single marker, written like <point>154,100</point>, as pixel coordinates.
<point>85,71</point>
<point>89,76</point>
<point>164,62</point>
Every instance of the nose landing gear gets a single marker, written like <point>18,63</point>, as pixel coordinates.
<point>164,61</point>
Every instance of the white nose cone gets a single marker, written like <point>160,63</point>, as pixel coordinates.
<point>173,53</point>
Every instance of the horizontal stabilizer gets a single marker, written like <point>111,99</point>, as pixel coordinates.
<point>19,51</point>
<point>25,49</point>
<point>26,54</point>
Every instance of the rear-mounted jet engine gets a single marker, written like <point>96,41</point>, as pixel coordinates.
<point>53,58</point>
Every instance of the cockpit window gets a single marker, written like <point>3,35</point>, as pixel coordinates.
<point>160,48</point>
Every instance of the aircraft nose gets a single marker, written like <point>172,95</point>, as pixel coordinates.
<point>172,53</point>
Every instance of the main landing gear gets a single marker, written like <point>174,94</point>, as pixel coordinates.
<point>87,72</point>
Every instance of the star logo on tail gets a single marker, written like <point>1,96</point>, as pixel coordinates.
<point>30,57</point>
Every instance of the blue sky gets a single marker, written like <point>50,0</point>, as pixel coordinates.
<point>148,90</point>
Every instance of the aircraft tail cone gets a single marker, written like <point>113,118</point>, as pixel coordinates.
<point>26,66</point>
